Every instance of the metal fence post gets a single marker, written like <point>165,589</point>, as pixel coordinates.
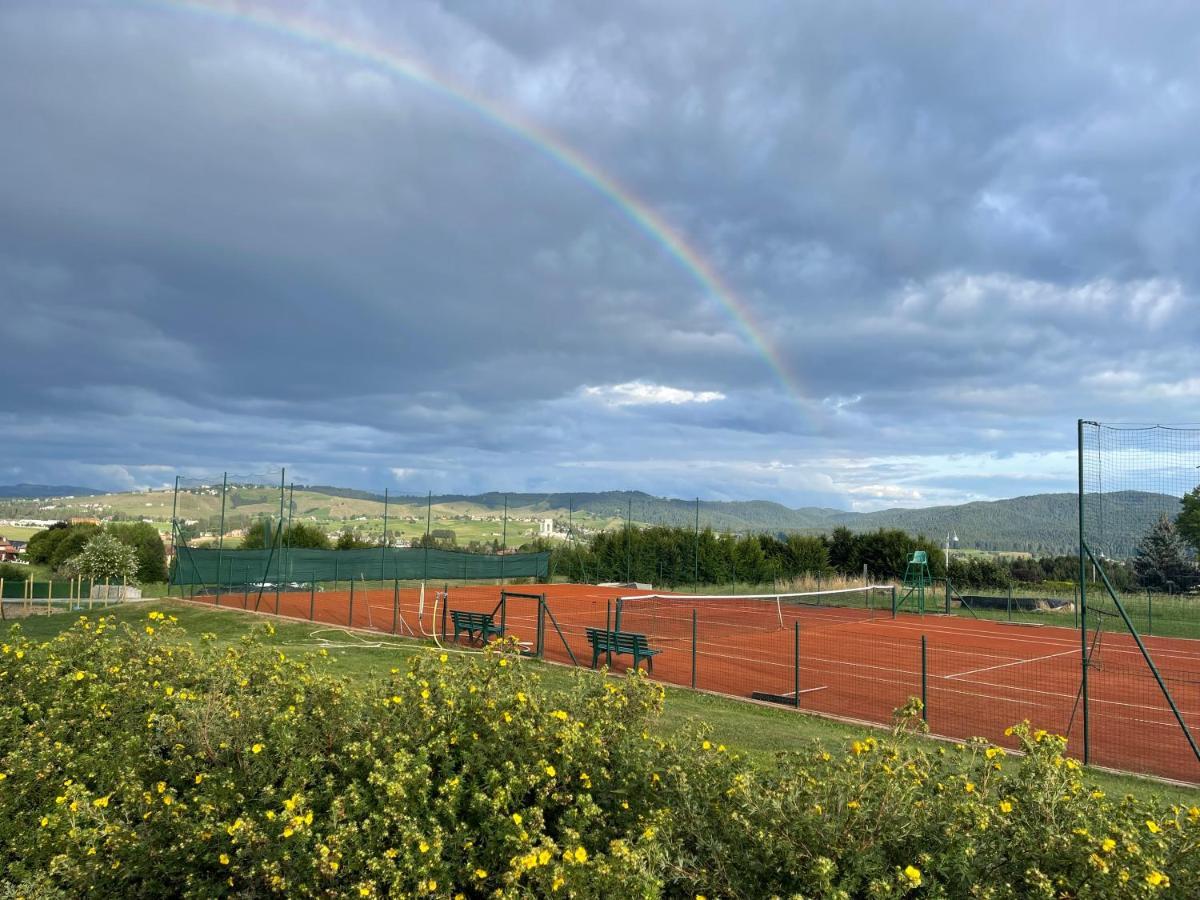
<point>312,598</point>
<point>1008,603</point>
<point>796,664</point>
<point>395,603</point>
<point>608,630</point>
<point>540,648</point>
<point>693,647</point>
<point>924,688</point>
<point>1149,612</point>
<point>350,615</point>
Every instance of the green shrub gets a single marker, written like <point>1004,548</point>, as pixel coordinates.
<point>135,762</point>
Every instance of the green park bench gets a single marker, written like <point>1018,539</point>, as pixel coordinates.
<point>475,623</point>
<point>629,643</point>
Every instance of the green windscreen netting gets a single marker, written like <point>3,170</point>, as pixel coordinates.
<point>212,567</point>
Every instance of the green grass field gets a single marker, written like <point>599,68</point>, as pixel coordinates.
<point>759,731</point>
<point>17,532</point>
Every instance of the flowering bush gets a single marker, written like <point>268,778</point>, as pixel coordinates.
<point>134,761</point>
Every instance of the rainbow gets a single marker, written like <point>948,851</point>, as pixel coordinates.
<point>310,31</point>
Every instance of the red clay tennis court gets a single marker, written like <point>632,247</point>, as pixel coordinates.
<point>980,676</point>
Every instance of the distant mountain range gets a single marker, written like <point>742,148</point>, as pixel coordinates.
<point>1042,524</point>
<point>32,491</point>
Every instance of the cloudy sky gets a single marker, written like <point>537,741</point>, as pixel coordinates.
<point>855,255</point>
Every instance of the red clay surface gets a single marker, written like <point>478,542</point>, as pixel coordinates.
<point>982,676</point>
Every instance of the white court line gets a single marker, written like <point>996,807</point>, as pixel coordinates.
<point>1015,662</point>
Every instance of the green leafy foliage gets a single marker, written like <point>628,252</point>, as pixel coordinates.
<point>10,572</point>
<point>1188,520</point>
<point>58,543</point>
<point>349,540</point>
<point>147,543</point>
<point>1162,562</point>
<point>298,535</point>
<point>679,556</point>
<point>134,762</point>
<point>105,558</point>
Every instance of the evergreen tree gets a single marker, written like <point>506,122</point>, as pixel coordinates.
<point>1188,520</point>
<point>1161,561</point>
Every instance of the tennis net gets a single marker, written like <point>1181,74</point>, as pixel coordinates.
<point>671,615</point>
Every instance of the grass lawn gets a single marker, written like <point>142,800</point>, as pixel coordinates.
<point>759,731</point>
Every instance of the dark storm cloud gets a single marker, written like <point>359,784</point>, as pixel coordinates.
<point>961,227</point>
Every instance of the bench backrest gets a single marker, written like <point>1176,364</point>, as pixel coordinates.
<point>461,615</point>
<point>621,641</point>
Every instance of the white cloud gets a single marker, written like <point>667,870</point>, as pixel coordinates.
<point>640,393</point>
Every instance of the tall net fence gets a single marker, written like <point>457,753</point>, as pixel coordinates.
<point>1139,534</point>
<point>216,512</point>
<point>976,677</point>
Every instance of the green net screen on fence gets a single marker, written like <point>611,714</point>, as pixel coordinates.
<point>239,567</point>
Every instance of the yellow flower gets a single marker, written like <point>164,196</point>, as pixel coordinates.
<point>101,802</point>
<point>857,748</point>
<point>224,858</point>
<point>481,873</point>
<point>1005,806</point>
<point>364,890</point>
<point>706,745</point>
<point>79,676</point>
<point>551,771</point>
<point>503,663</point>
<point>516,817</point>
<point>161,786</point>
<point>423,847</point>
<point>425,694</point>
<point>913,874</point>
<point>580,855</point>
<point>993,752</point>
<point>1153,826</point>
<point>167,801</point>
<point>149,629</point>
<point>969,787</point>
<point>391,852</point>
<point>396,698</point>
<point>559,714</point>
<point>443,658</point>
<point>558,882</point>
<point>1108,845</point>
<point>287,832</point>
<point>256,748</point>
<point>543,857</point>
<point>1157,879</point>
<point>853,804</point>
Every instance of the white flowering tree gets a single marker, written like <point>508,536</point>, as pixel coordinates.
<point>104,558</point>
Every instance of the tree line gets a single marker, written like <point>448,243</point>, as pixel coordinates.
<point>62,545</point>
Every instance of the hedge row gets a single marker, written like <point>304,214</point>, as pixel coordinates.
<point>136,762</point>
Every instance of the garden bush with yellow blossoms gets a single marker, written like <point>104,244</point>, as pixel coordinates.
<point>134,761</point>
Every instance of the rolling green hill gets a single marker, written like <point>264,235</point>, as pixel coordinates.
<point>1042,524</point>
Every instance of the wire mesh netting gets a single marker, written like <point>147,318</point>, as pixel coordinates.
<point>1140,530</point>
<point>977,677</point>
<point>671,615</point>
